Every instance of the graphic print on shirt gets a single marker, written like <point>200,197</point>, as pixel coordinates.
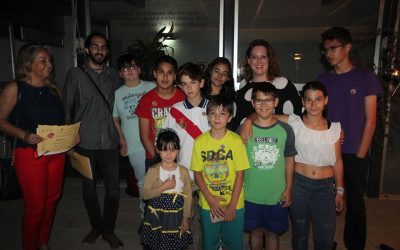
<point>265,152</point>
<point>159,115</point>
<point>130,103</point>
<point>216,171</point>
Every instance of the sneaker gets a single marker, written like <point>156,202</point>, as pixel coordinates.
<point>91,237</point>
<point>113,240</point>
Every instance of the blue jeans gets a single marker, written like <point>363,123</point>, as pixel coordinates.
<point>313,202</point>
<point>108,161</point>
<point>355,179</point>
<point>137,161</point>
<point>230,233</point>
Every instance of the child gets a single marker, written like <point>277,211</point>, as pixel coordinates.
<point>219,80</point>
<point>188,119</point>
<point>154,106</point>
<point>218,162</point>
<point>167,187</point>
<point>125,119</point>
<point>268,183</point>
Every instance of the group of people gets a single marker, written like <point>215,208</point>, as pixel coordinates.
<point>210,162</point>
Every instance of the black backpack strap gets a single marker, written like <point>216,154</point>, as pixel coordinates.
<point>97,87</point>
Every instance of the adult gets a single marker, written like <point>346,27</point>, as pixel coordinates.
<point>260,65</point>
<point>126,121</point>
<point>353,95</point>
<point>32,99</point>
<point>91,106</point>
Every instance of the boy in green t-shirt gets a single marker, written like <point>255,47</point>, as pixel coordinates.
<point>218,161</point>
<point>268,182</point>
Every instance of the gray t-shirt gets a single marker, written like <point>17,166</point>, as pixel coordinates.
<point>83,103</point>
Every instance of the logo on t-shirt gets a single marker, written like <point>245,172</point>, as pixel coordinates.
<point>265,152</point>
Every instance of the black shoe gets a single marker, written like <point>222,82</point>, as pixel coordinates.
<point>113,240</point>
<point>91,237</point>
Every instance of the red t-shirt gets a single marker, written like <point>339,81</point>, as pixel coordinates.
<point>155,109</point>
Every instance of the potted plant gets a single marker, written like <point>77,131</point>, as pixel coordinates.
<point>149,51</point>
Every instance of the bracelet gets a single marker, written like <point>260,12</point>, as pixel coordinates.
<point>340,191</point>
<point>26,134</point>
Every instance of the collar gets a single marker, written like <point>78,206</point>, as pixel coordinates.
<point>203,103</point>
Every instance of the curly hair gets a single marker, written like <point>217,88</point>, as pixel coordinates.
<point>273,67</point>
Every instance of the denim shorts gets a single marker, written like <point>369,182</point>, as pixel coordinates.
<point>273,218</point>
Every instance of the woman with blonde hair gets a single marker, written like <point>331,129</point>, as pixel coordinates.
<point>30,100</point>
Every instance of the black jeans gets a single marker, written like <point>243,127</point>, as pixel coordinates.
<point>108,161</point>
<point>355,178</point>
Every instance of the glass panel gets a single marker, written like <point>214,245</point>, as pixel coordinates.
<point>295,27</point>
<point>196,26</point>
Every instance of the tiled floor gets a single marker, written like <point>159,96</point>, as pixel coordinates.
<point>71,223</point>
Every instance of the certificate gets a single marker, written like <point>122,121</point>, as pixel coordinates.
<point>56,139</point>
<point>81,164</point>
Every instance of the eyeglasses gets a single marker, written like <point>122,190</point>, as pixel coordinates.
<point>98,47</point>
<point>268,102</point>
<point>129,68</point>
<point>332,49</point>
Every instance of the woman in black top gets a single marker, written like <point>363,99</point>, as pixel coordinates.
<point>260,65</point>
<point>30,100</point>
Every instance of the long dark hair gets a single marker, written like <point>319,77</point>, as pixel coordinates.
<point>315,85</point>
<point>228,88</point>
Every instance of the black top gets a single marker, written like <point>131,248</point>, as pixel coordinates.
<point>288,96</point>
<point>36,106</point>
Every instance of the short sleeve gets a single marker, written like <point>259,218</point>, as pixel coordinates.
<point>143,108</point>
<point>290,148</point>
<point>374,87</point>
<point>196,164</point>
<point>241,161</point>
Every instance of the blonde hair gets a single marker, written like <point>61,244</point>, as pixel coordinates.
<point>26,56</point>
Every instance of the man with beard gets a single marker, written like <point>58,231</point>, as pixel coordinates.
<point>91,106</point>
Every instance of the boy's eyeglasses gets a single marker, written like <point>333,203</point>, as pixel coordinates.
<point>332,49</point>
<point>129,68</point>
<point>268,102</point>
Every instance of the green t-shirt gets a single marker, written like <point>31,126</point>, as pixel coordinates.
<point>218,160</point>
<point>265,181</point>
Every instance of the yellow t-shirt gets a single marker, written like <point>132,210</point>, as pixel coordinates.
<point>218,160</point>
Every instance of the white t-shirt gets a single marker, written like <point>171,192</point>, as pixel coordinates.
<point>165,174</point>
<point>315,147</point>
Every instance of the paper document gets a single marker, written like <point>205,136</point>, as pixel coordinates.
<point>81,164</point>
<point>56,139</point>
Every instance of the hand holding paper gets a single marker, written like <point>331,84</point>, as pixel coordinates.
<point>57,139</point>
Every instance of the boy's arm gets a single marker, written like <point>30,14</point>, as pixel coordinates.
<point>370,103</point>
<point>212,200</point>
<point>123,148</point>
<point>246,130</point>
<point>289,170</point>
<point>144,130</point>
<point>230,213</point>
<point>338,174</point>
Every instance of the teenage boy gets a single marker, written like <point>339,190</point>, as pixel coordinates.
<point>126,121</point>
<point>218,161</point>
<point>188,118</point>
<point>268,182</point>
<point>353,95</point>
<point>154,106</point>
